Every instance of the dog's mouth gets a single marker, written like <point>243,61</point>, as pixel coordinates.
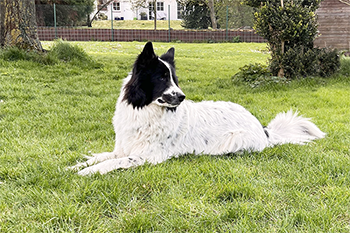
<point>170,101</point>
<point>163,103</point>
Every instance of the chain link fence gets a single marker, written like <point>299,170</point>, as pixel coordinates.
<point>51,15</point>
<point>234,23</point>
<point>235,17</point>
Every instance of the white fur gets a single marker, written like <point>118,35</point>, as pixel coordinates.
<point>154,134</point>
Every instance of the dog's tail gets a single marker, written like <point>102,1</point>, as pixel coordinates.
<point>291,128</point>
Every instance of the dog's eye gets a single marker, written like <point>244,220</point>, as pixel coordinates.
<point>164,77</point>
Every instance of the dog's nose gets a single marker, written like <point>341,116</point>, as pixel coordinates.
<point>181,97</point>
<point>174,98</point>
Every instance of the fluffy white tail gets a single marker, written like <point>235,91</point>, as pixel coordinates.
<point>291,128</point>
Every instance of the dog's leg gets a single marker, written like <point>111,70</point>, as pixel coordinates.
<point>113,164</point>
<point>96,158</point>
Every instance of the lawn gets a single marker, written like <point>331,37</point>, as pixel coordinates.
<point>137,24</point>
<point>50,115</point>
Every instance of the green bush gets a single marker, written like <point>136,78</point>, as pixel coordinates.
<point>67,52</point>
<point>14,54</point>
<point>256,75</point>
<point>17,54</point>
<point>290,30</point>
<point>345,67</point>
<point>196,15</point>
<point>72,54</point>
<point>236,39</point>
<point>252,72</point>
<point>301,61</point>
<point>60,51</point>
<point>328,62</point>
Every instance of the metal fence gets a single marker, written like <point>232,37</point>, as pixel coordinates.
<point>71,23</point>
<point>51,15</point>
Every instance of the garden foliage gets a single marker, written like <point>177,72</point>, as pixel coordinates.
<point>290,30</point>
<point>229,14</point>
<point>196,15</point>
<point>68,12</point>
<point>257,75</point>
<point>61,51</point>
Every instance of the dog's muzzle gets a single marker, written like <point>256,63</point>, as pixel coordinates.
<point>171,99</point>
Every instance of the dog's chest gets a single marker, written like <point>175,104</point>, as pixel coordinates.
<point>147,124</point>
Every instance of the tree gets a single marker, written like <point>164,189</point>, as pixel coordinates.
<point>200,10</point>
<point>154,2</point>
<point>68,12</point>
<point>196,12</point>
<point>196,15</point>
<point>290,28</point>
<point>234,14</point>
<point>99,8</point>
<point>18,24</point>
<point>210,4</point>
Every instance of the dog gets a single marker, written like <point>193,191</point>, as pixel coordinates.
<point>153,122</point>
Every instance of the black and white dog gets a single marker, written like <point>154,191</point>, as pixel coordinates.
<point>153,122</point>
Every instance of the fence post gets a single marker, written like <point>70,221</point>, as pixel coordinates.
<point>55,19</point>
<point>226,23</point>
<point>112,31</point>
<point>169,22</point>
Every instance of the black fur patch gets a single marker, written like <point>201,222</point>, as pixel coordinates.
<point>267,133</point>
<point>150,77</point>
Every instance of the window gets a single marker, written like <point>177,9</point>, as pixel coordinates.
<point>116,6</point>
<point>160,6</point>
<point>150,10</point>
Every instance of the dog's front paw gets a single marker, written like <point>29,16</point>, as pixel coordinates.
<point>101,168</point>
<point>76,167</point>
<point>87,171</point>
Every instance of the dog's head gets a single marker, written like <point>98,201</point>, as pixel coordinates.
<point>153,80</point>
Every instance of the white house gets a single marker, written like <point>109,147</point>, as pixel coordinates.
<point>123,10</point>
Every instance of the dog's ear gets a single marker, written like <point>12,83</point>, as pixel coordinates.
<point>146,57</point>
<point>169,56</point>
<point>134,90</point>
<point>134,94</point>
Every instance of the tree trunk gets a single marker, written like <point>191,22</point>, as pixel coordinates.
<point>18,24</point>
<point>89,21</point>
<point>212,14</point>
<point>155,14</point>
<point>281,71</point>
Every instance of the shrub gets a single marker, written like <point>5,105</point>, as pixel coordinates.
<point>16,54</point>
<point>67,52</point>
<point>196,15</point>
<point>328,62</point>
<point>60,51</point>
<point>301,61</point>
<point>72,54</point>
<point>13,54</point>
<point>252,72</point>
<point>345,67</point>
<point>290,30</point>
<point>256,75</point>
<point>236,39</point>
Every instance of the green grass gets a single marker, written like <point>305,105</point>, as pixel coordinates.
<point>52,114</point>
<point>137,24</point>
